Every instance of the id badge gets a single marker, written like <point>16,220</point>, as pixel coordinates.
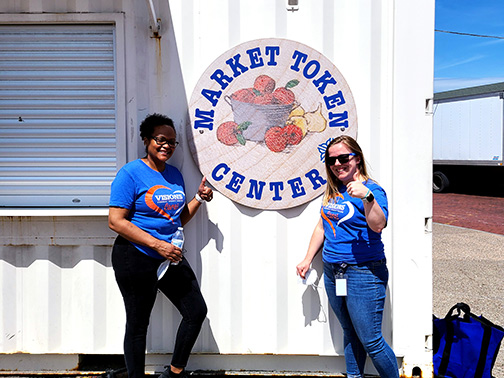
<point>341,287</point>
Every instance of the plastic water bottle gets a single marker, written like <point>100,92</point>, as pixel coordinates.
<point>178,240</point>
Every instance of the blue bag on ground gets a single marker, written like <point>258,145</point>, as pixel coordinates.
<point>465,346</point>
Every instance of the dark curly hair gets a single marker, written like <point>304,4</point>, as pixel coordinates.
<point>152,121</point>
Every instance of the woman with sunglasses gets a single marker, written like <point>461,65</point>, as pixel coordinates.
<point>353,214</point>
<point>147,205</point>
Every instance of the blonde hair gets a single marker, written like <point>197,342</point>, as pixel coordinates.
<point>332,181</point>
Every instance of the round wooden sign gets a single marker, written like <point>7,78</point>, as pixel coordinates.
<point>262,115</point>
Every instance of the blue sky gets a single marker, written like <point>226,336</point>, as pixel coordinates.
<point>464,61</point>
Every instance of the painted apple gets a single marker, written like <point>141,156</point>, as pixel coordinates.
<point>264,84</point>
<point>275,139</point>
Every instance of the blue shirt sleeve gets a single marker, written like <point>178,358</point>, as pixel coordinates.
<point>123,190</point>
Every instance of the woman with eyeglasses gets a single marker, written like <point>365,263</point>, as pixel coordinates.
<point>147,205</point>
<point>353,214</point>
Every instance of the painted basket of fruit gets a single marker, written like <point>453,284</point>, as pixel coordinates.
<point>262,107</point>
<point>261,117</point>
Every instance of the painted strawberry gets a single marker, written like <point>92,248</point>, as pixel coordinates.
<point>275,139</point>
<point>231,133</point>
<point>293,133</point>
<point>264,84</point>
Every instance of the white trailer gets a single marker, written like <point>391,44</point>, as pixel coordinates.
<point>69,121</point>
<point>468,134</point>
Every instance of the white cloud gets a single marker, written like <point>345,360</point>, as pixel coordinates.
<point>458,63</point>
<point>490,42</point>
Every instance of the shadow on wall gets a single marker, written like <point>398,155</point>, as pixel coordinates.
<point>315,310</point>
<point>65,257</point>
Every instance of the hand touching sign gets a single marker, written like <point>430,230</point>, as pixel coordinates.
<point>204,192</point>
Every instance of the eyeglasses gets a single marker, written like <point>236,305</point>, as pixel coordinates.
<point>160,141</point>
<point>343,158</point>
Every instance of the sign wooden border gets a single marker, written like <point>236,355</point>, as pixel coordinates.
<point>262,115</point>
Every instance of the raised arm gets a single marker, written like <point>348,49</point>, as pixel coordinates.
<point>204,194</point>
<point>375,217</point>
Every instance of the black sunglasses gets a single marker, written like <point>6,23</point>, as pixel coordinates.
<point>343,158</point>
<point>160,141</point>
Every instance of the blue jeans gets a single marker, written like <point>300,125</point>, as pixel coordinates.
<point>360,314</point>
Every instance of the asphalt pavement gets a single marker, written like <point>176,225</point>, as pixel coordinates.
<point>468,266</point>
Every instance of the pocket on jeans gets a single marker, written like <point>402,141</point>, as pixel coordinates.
<point>371,267</point>
<point>361,268</point>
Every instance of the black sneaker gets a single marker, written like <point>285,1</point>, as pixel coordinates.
<point>167,373</point>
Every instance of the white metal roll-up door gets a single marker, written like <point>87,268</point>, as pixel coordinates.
<point>57,115</point>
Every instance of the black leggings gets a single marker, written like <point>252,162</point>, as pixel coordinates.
<point>136,276</point>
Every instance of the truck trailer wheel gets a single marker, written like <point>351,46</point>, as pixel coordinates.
<point>439,182</point>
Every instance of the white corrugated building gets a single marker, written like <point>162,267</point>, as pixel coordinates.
<point>76,79</point>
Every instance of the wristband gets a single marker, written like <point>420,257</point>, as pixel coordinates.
<point>198,198</point>
<point>369,197</point>
<point>366,194</point>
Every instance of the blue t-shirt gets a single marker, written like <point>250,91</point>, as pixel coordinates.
<point>154,199</point>
<point>348,237</point>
